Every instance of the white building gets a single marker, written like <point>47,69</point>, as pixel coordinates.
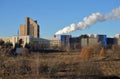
<point>35,42</point>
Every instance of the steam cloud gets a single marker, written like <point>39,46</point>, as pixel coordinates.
<point>90,20</point>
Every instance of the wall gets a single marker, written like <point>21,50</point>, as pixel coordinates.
<point>84,42</point>
<point>93,41</point>
<point>65,42</point>
<point>25,39</point>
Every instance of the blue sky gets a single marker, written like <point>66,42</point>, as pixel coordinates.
<point>53,15</point>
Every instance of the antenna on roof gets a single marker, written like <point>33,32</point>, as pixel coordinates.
<point>18,35</point>
<point>18,32</point>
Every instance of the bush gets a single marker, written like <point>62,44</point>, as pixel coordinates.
<point>2,42</point>
<point>86,52</point>
<point>90,51</point>
<point>24,68</point>
<point>43,68</point>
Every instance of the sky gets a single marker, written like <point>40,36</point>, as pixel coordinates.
<point>53,15</point>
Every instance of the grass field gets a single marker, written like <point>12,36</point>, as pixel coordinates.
<point>60,65</point>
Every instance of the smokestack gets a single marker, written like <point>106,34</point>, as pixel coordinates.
<point>54,36</point>
<point>90,20</point>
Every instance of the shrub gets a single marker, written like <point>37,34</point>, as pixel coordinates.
<point>86,52</point>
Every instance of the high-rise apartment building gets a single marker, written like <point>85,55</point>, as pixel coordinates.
<point>29,28</point>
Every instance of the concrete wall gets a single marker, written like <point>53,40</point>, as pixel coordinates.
<point>84,42</point>
<point>118,41</point>
<point>93,41</point>
<point>88,41</point>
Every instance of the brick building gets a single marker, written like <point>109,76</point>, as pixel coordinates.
<point>30,28</point>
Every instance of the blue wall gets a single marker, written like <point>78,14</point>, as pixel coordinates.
<point>102,39</point>
<point>65,39</point>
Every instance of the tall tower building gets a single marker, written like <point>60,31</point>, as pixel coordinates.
<point>29,28</point>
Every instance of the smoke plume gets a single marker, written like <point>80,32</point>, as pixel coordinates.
<point>90,20</point>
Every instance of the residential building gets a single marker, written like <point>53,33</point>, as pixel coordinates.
<point>30,28</point>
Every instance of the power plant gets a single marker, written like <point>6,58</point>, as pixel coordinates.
<point>29,35</point>
<point>75,43</point>
<point>60,39</point>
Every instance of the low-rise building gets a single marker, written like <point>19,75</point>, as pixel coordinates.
<point>36,43</point>
<point>6,39</point>
<point>54,42</point>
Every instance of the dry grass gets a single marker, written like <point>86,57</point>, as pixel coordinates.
<point>86,52</point>
<point>61,65</point>
<point>92,51</point>
<point>102,52</point>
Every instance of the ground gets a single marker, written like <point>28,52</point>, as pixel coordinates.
<point>60,65</point>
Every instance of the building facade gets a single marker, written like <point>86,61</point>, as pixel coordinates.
<point>54,42</point>
<point>35,43</point>
<point>30,28</point>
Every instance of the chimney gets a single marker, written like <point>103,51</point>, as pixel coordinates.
<point>54,36</point>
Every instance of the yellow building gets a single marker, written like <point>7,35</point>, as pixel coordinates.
<point>30,28</point>
<point>15,39</point>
